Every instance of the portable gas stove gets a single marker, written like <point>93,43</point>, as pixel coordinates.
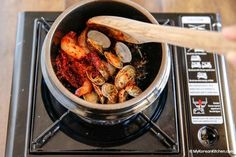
<point>193,116</point>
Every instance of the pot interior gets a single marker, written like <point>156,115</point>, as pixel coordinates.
<point>76,21</point>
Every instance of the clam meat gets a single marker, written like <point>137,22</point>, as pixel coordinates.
<point>110,92</point>
<point>113,60</point>
<point>124,76</point>
<point>133,90</point>
<point>91,97</point>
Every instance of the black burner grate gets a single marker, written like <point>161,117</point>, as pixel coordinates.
<point>100,135</point>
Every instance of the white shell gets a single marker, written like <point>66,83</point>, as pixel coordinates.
<point>124,76</point>
<point>98,80</point>
<point>133,90</point>
<point>109,91</point>
<point>99,38</point>
<point>123,52</point>
<point>99,93</point>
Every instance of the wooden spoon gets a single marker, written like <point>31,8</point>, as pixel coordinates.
<point>137,32</point>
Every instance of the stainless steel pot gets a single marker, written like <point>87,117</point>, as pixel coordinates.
<point>74,18</point>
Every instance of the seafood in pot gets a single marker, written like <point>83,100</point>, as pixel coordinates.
<point>96,61</point>
<point>99,38</point>
<point>99,93</point>
<point>69,46</point>
<point>122,95</point>
<point>84,89</point>
<point>91,97</point>
<point>124,76</point>
<point>110,92</point>
<point>97,79</point>
<point>133,90</point>
<point>110,68</point>
<point>123,52</point>
<point>95,46</point>
<point>82,41</point>
<point>113,60</point>
<point>97,68</point>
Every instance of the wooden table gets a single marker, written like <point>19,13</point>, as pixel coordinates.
<point>8,18</point>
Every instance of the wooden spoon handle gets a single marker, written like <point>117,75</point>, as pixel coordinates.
<point>140,32</point>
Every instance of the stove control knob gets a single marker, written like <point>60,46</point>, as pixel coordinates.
<point>207,136</point>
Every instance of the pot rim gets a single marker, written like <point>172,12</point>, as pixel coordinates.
<point>155,87</point>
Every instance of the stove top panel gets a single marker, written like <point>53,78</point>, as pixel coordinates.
<point>128,137</point>
<point>40,126</point>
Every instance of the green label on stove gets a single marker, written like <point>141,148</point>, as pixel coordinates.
<point>202,78</point>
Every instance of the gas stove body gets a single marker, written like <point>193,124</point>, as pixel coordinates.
<point>194,118</point>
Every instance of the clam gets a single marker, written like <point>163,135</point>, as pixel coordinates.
<point>94,46</point>
<point>98,80</point>
<point>99,38</point>
<point>110,92</point>
<point>99,93</point>
<point>124,76</point>
<point>110,68</point>
<point>133,90</point>
<point>113,60</point>
<point>91,97</point>
<point>98,63</point>
<point>103,71</point>
<point>122,95</point>
<point>123,52</point>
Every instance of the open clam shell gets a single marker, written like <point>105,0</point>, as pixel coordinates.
<point>98,80</point>
<point>110,68</point>
<point>133,90</point>
<point>123,52</point>
<point>110,92</point>
<point>124,76</point>
<point>91,97</point>
<point>99,38</point>
<point>94,46</point>
<point>113,60</point>
<point>99,93</point>
<point>122,95</point>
